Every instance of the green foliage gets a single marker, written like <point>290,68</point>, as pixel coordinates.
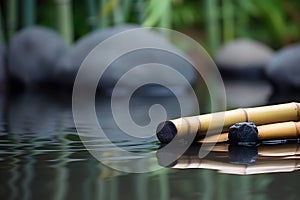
<point>274,22</point>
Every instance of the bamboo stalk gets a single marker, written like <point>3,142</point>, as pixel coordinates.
<point>28,11</point>
<point>228,20</point>
<point>221,121</point>
<point>139,11</point>
<point>212,25</point>
<point>64,19</point>
<point>284,130</point>
<point>92,10</point>
<point>118,15</point>
<point>2,37</point>
<point>12,17</point>
<point>104,13</point>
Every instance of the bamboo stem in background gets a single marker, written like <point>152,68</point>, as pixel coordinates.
<point>104,17</point>
<point>126,7</point>
<point>220,122</point>
<point>28,13</point>
<point>139,11</point>
<point>92,10</point>
<point>212,25</point>
<point>242,18</point>
<point>165,20</point>
<point>118,15</point>
<point>12,16</point>
<point>65,19</point>
<point>228,20</point>
<point>2,37</point>
<point>284,130</point>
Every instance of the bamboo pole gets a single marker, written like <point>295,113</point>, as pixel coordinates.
<point>28,12</point>
<point>105,7</point>
<point>212,24</point>
<point>2,37</point>
<point>12,17</point>
<point>64,19</point>
<point>221,121</point>
<point>284,130</point>
<point>92,11</point>
<point>228,20</point>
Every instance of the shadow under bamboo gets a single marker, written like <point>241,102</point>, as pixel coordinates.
<point>276,131</point>
<point>221,121</point>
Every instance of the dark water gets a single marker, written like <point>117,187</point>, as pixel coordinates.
<point>42,156</point>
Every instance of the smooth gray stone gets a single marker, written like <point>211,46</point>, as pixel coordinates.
<point>70,64</point>
<point>243,53</point>
<point>33,54</point>
<point>283,69</point>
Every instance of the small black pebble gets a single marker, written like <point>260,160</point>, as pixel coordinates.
<point>243,133</point>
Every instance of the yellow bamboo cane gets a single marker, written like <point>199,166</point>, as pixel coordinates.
<point>283,130</point>
<point>221,121</point>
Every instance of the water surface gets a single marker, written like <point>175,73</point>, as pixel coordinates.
<point>42,156</point>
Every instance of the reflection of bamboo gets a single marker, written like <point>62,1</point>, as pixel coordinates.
<point>267,159</point>
<point>15,174</point>
<point>61,170</point>
<point>164,185</point>
<point>260,167</point>
<point>284,130</point>
<point>141,186</point>
<point>223,120</point>
<point>286,151</point>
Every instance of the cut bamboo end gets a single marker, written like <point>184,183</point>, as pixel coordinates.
<point>221,121</point>
<point>283,130</point>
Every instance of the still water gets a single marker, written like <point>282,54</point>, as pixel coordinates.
<point>42,156</point>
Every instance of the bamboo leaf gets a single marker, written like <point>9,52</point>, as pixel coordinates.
<point>158,11</point>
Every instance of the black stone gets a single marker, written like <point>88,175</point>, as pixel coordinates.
<point>243,133</point>
<point>166,131</point>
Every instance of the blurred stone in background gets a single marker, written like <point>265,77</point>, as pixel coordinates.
<point>166,55</point>
<point>243,59</point>
<point>283,69</point>
<point>32,56</point>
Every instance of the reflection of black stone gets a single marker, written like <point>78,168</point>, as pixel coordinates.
<point>244,155</point>
<point>166,159</point>
<point>244,133</point>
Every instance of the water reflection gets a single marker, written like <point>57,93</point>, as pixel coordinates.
<point>41,156</point>
<point>243,160</point>
<point>41,153</point>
